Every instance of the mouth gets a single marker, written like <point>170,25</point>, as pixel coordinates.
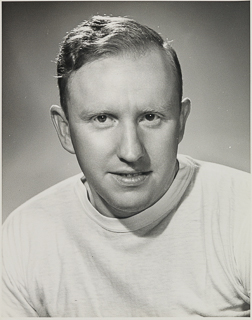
<point>131,179</point>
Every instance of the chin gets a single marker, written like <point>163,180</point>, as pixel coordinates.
<point>128,211</point>
<point>124,214</point>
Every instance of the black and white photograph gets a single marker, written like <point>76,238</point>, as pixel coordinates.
<point>126,159</point>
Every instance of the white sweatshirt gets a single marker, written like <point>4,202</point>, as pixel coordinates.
<point>187,255</point>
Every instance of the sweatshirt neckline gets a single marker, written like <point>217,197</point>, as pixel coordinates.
<point>157,211</point>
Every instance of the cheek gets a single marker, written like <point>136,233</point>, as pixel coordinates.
<point>164,154</point>
<point>91,148</point>
<point>163,141</point>
<point>162,150</point>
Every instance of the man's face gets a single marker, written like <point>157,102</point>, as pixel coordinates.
<point>125,125</point>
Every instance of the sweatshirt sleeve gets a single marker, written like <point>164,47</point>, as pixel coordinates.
<point>242,255</point>
<point>15,297</point>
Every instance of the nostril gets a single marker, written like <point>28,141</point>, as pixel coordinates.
<point>130,147</point>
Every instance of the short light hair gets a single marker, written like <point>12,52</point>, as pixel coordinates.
<point>103,36</point>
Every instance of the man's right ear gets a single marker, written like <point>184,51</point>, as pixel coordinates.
<point>61,125</point>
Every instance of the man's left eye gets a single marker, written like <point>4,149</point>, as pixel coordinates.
<point>150,116</point>
<point>150,120</point>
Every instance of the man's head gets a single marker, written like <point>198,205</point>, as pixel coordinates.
<point>124,117</point>
<point>104,36</point>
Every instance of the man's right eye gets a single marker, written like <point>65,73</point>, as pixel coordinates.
<point>102,118</point>
<point>103,121</point>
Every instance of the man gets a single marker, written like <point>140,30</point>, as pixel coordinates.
<point>144,232</point>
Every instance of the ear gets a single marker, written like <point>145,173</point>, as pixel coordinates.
<point>61,125</point>
<point>184,113</point>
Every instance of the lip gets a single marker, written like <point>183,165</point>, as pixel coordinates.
<point>132,178</point>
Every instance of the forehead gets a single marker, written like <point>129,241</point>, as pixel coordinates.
<point>124,79</point>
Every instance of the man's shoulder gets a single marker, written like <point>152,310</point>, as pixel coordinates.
<point>220,193</point>
<point>214,170</point>
<point>218,180</point>
<point>49,201</point>
<point>223,173</point>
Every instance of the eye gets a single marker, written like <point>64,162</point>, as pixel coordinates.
<point>151,119</point>
<point>150,116</point>
<point>103,121</point>
<point>102,118</point>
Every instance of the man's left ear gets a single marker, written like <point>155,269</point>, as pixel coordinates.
<point>184,113</point>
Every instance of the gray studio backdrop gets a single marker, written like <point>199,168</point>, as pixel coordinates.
<point>212,42</point>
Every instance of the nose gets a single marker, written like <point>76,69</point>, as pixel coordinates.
<point>130,146</point>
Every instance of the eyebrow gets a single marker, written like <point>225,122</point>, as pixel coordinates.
<point>89,112</point>
<point>162,108</point>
